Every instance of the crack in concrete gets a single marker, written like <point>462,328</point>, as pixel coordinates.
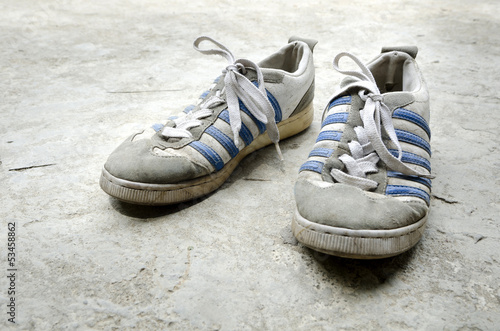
<point>445,200</point>
<point>32,167</point>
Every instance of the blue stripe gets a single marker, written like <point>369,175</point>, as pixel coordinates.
<point>260,125</point>
<point>276,106</point>
<point>335,118</point>
<point>245,133</point>
<point>329,135</point>
<point>413,117</point>
<point>401,190</point>
<point>345,100</point>
<point>157,127</point>
<point>209,154</point>
<point>223,139</point>
<point>274,103</point>
<point>216,80</point>
<point>188,108</point>
<point>424,181</point>
<point>322,152</point>
<point>224,115</point>
<point>315,166</point>
<point>412,158</point>
<point>204,94</point>
<point>413,139</point>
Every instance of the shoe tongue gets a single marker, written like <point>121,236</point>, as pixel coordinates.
<point>410,50</point>
<point>250,74</point>
<point>392,100</point>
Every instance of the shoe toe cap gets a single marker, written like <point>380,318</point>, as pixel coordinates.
<point>344,206</point>
<point>135,161</point>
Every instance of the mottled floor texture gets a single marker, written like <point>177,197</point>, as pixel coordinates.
<point>78,77</point>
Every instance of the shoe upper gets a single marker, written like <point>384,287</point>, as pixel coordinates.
<point>246,101</point>
<point>370,165</point>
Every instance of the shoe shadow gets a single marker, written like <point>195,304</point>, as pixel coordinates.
<point>362,275</point>
<point>146,213</point>
<point>248,166</point>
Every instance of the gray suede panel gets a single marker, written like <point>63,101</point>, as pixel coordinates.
<point>380,177</point>
<point>307,99</point>
<point>273,77</point>
<point>348,207</point>
<point>134,161</point>
<point>331,163</point>
<point>397,99</point>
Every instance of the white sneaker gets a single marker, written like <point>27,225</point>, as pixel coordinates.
<point>364,191</point>
<point>248,107</point>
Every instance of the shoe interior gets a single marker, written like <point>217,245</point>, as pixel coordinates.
<point>395,72</point>
<point>290,58</point>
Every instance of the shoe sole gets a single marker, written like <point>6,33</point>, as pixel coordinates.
<point>165,194</point>
<point>357,244</point>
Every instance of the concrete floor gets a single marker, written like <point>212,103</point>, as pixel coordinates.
<point>78,77</point>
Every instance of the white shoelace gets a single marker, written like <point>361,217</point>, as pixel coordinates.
<point>369,149</point>
<point>237,87</point>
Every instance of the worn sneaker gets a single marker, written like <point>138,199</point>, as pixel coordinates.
<point>364,191</point>
<point>248,107</point>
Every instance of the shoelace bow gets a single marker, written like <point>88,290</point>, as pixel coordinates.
<point>236,87</point>
<point>369,149</point>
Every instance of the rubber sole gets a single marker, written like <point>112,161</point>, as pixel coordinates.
<point>165,194</point>
<point>357,244</point>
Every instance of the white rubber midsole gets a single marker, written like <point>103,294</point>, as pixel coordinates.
<point>326,229</point>
<point>359,244</point>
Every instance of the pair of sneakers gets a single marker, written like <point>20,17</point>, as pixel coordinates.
<point>364,190</point>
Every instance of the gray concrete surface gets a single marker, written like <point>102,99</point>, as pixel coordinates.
<point>78,77</point>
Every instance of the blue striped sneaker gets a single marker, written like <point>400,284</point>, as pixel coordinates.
<point>364,190</point>
<point>247,108</point>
